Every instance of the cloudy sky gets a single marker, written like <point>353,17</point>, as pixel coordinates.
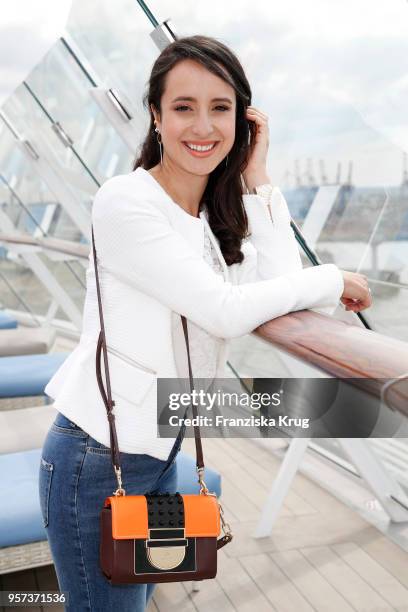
<point>331,75</point>
<point>27,31</point>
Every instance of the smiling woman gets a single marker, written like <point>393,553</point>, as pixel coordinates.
<point>198,96</point>
<point>186,261</point>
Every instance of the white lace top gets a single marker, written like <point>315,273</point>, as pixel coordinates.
<point>204,348</point>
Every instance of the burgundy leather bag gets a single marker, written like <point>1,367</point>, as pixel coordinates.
<point>156,537</point>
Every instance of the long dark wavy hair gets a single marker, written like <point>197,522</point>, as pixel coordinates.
<point>223,193</point>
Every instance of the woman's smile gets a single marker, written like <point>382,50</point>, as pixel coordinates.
<point>204,152</point>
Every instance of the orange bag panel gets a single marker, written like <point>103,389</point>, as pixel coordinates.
<point>129,516</point>
<point>201,516</point>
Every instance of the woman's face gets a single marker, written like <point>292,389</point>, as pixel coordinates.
<point>191,113</point>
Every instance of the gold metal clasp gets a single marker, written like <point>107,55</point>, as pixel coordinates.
<point>225,526</point>
<point>120,490</point>
<point>203,487</point>
<point>166,557</point>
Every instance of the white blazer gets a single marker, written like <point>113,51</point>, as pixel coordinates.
<point>150,264</point>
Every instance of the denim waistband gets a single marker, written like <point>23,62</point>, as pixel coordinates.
<point>63,421</point>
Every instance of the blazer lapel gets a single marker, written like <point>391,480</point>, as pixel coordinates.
<point>190,228</point>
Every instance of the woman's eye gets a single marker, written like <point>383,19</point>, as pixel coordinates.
<point>224,108</point>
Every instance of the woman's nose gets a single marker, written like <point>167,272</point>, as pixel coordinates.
<point>202,126</point>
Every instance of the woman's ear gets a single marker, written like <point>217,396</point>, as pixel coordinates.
<point>155,114</point>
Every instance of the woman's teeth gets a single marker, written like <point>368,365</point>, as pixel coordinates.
<point>199,147</point>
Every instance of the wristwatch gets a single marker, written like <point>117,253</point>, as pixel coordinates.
<point>264,189</point>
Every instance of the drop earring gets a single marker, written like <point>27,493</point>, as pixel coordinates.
<point>226,161</point>
<point>156,129</point>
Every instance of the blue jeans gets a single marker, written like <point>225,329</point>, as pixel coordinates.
<point>76,474</point>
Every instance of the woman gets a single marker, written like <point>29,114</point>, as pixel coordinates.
<point>174,236</point>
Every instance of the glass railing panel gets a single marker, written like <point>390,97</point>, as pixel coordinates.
<point>366,232</point>
<point>62,91</point>
<point>9,298</point>
<point>116,41</point>
<point>20,286</point>
<point>69,274</point>
<point>27,200</point>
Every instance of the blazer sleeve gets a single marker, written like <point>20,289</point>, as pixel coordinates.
<point>272,249</point>
<point>135,241</point>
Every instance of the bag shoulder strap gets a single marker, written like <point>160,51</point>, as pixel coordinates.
<point>107,396</point>
<point>109,404</point>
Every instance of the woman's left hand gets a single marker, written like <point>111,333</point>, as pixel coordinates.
<point>258,149</point>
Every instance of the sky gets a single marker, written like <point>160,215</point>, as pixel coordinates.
<point>332,75</point>
<point>27,31</point>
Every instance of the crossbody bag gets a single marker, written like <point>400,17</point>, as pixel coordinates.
<point>156,537</point>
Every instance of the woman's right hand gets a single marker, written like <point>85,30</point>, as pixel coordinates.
<point>356,295</point>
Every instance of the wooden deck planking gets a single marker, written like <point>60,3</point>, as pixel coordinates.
<point>262,471</point>
<point>374,574</point>
<point>171,597</point>
<point>321,595</point>
<point>241,589</point>
<point>358,593</point>
<point>281,592</point>
<point>386,552</point>
<point>321,555</point>
<point>314,497</point>
<point>211,595</point>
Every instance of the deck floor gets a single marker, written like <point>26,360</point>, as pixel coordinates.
<point>321,555</point>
